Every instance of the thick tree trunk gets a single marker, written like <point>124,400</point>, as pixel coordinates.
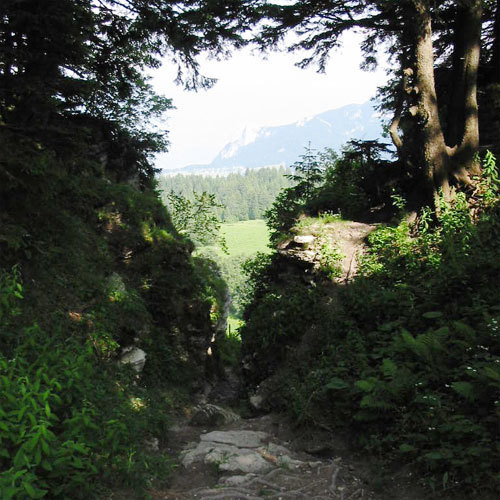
<point>433,154</point>
<point>441,164</point>
<point>464,160</point>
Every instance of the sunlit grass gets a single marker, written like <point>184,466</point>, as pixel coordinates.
<point>245,238</point>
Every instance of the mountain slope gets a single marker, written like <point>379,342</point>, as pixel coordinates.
<point>282,145</point>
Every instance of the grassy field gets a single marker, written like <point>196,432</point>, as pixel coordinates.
<point>246,237</point>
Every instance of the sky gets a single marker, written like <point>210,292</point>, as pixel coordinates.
<point>253,92</point>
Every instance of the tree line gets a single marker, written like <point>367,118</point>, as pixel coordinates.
<point>241,196</point>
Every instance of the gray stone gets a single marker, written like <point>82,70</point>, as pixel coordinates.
<point>245,460</point>
<point>152,444</point>
<point>256,401</point>
<point>278,450</point>
<point>134,357</point>
<point>199,453</point>
<point>212,415</point>
<point>305,239</point>
<point>226,457</point>
<point>240,439</point>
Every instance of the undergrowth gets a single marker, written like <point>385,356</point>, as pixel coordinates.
<point>407,357</point>
<point>68,420</point>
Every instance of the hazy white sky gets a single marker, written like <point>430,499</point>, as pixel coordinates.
<point>255,92</point>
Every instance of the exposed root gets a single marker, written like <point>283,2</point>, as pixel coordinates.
<point>333,481</point>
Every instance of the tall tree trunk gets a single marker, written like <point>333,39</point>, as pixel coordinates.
<point>439,163</point>
<point>432,155</point>
<point>456,113</point>
<point>464,160</point>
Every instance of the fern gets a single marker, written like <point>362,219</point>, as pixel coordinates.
<point>465,389</point>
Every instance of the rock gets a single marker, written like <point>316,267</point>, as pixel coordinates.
<point>309,255</point>
<point>278,450</point>
<point>284,244</point>
<point>240,439</point>
<point>266,396</point>
<point>280,456</point>
<point>256,401</point>
<point>226,457</point>
<point>289,462</point>
<point>211,415</point>
<point>306,239</point>
<point>242,460</point>
<point>197,454</point>
<point>152,444</point>
<point>221,325</point>
<point>133,356</point>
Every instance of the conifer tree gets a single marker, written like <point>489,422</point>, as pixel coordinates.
<point>436,153</point>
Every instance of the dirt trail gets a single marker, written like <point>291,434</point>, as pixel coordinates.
<point>254,458</point>
<point>265,458</point>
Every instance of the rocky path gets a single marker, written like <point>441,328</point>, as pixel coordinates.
<point>251,459</point>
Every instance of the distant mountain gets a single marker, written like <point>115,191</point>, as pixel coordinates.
<point>284,144</point>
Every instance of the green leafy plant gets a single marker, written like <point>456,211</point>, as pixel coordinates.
<point>407,356</point>
<point>197,218</point>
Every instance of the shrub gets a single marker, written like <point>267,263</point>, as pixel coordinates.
<point>407,357</point>
<point>66,418</point>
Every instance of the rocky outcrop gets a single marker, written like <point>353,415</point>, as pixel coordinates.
<point>346,237</point>
<point>250,460</point>
<point>312,268</point>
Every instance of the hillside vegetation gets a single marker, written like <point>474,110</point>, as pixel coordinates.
<point>242,196</point>
<point>90,263</point>
<point>397,348</point>
<point>404,357</point>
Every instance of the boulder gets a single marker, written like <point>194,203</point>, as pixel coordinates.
<point>304,240</point>
<point>240,439</point>
<point>241,460</point>
<point>134,357</point>
<point>227,457</point>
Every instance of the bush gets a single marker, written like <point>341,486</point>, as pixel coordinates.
<point>351,184</point>
<point>407,357</point>
<point>66,419</point>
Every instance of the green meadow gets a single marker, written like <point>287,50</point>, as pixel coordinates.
<point>246,237</point>
<point>243,239</point>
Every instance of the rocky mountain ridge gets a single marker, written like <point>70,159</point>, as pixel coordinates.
<point>283,145</point>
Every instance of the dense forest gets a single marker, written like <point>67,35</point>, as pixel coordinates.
<point>243,196</point>
<point>109,319</point>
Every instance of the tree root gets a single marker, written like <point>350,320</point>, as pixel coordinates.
<point>229,493</point>
<point>333,481</point>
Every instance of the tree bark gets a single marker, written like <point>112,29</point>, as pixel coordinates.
<point>468,145</point>
<point>432,155</point>
<point>496,46</point>
<point>456,116</point>
<point>441,162</point>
